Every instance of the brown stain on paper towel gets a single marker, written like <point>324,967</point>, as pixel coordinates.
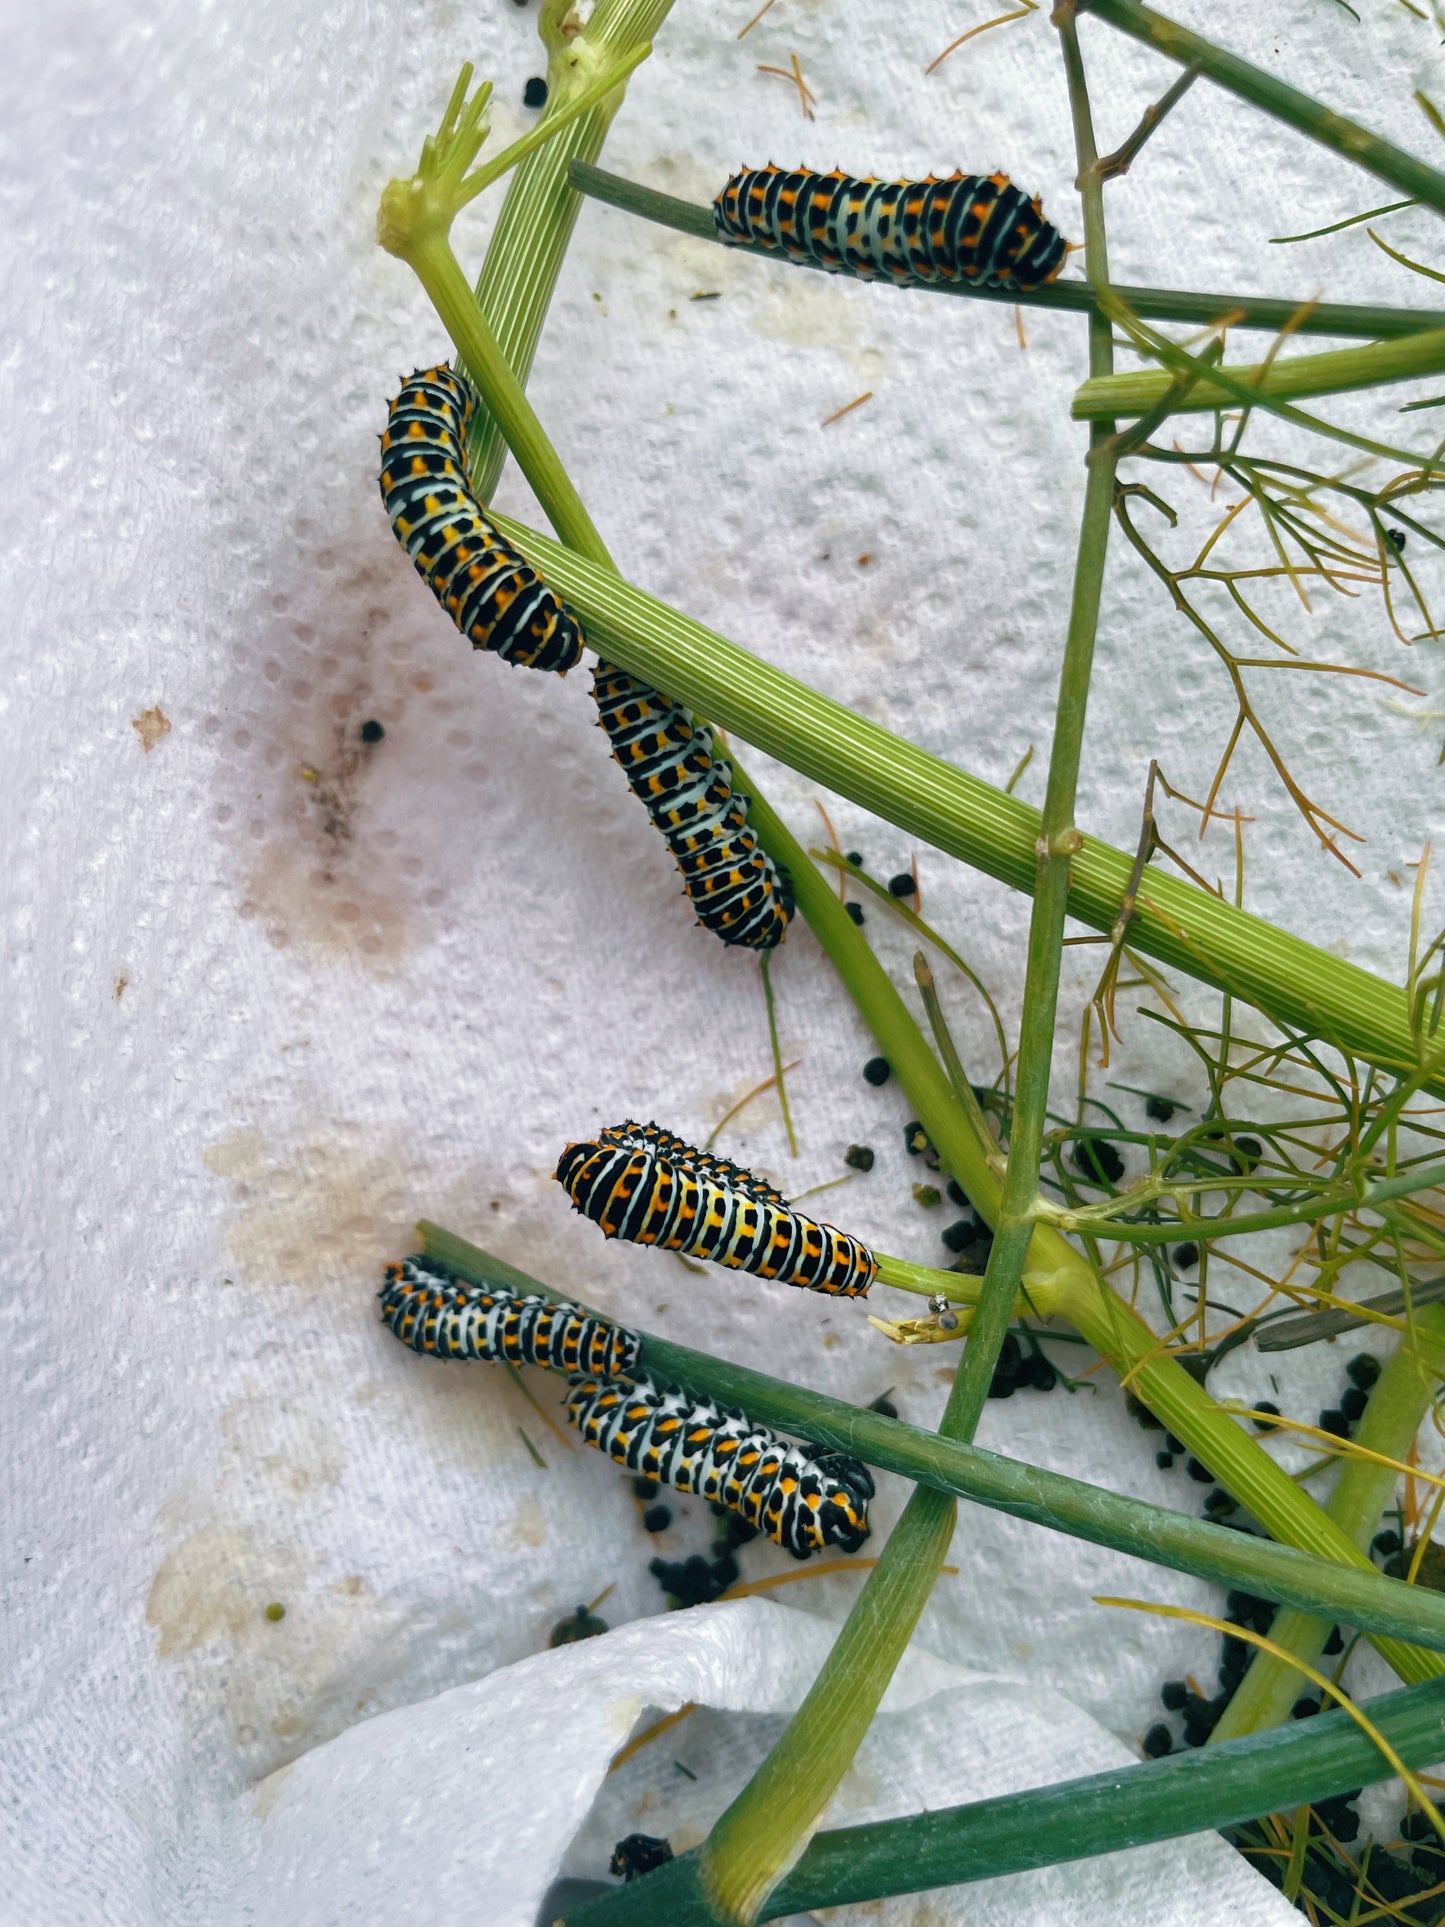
<point>331,1207</point>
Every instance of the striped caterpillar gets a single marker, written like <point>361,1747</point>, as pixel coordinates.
<point>487,587</point>
<point>802,1499</point>
<point>432,1310</point>
<point>667,758</point>
<point>967,227</point>
<point>640,1183</point>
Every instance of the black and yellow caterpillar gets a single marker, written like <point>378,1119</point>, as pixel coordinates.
<point>432,1310</point>
<point>965,227</point>
<point>487,587</point>
<point>640,1183</point>
<point>667,758</point>
<point>801,1498</point>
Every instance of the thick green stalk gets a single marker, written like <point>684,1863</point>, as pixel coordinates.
<point>766,1828</point>
<point>1071,297</point>
<point>1049,1826</point>
<point>1276,97</point>
<point>1357,1596</point>
<point>1395,1413</point>
<point>1304,989</point>
<point>1284,379</point>
<point>540,208</point>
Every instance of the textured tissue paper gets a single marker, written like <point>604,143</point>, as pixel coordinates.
<point>275,991</point>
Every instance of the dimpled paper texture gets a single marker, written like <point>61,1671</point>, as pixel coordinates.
<point>273,993</point>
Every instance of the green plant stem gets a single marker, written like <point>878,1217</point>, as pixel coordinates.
<point>760,1836</point>
<point>1359,1197</point>
<point>1206,369</point>
<point>763,1831</point>
<point>1304,989</point>
<point>439,272</point>
<point>954,1469</point>
<point>539,209</point>
<point>591,95</point>
<point>962,1288</point>
<point>1047,1826</point>
<point>1302,316</point>
<point>1397,1408</point>
<point>947,1050</point>
<point>1137,391</point>
<point>1276,97</point>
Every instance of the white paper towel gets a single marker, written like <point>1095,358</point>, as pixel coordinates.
<point>273,993</point>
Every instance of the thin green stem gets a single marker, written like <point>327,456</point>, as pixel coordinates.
<point>437,269</point>
<point>1396,1410</point>
<point>896,907</point>
<point>1069,297</point>
<point>593,94</point>
<point>947,1050</point>
<point>1276,97</point>
<point>1058,839</point>
<point>1292,378</point>
<point>954,1469</point>
<point>960,1288</point>
<point>1362,1197</point>
<point>780,1077</point>
<point>1247,397</point>
<point>1223,1786</point>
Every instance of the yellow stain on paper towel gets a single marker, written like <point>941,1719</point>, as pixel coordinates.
<point>151,725</point>
<point>330,1208</point>
<point>330,915</point>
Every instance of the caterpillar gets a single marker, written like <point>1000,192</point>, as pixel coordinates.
<point>967,227</point>
<point>801,1498</point>
<point>432,1310</point>
<point>487,587</point>
<point>640,1183</point>
<point>735,888</point>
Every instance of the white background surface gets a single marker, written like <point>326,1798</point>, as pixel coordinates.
<point>258,1024</point>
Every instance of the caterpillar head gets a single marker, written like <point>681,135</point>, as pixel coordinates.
<point>844,1513</point>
